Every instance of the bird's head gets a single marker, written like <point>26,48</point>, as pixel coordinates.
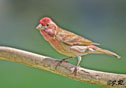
<point>46,23</point>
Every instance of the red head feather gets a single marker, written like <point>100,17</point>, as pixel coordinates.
<point>44,21</point>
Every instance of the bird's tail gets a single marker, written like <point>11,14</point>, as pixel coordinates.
<point>96,49</point>
<point>103,51</point>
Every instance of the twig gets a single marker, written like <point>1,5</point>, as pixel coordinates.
<point>65,69</point>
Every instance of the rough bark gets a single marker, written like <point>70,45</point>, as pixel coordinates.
<point>65,69</point>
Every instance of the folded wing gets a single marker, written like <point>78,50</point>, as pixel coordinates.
<point>70,38</point>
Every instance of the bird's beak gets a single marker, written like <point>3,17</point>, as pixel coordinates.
<point>39,27</point>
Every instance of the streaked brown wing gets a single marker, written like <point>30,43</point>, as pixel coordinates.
<point>70,38</point>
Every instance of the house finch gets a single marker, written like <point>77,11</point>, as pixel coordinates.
<point>68,43</point>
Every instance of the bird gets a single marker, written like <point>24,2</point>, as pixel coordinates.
<point>69,43</point>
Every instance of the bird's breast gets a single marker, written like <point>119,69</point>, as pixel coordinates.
<point>58,45</point>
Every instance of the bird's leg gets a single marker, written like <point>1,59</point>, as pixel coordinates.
<point>77,66</point>
<point>63,61</point>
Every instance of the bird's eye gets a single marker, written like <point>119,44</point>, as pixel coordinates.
<point>47,25</point>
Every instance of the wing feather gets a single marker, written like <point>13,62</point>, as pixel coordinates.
<point>70,38</point>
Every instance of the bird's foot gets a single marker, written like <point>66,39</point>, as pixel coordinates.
<point>75,70</point>
<point>61,61</point>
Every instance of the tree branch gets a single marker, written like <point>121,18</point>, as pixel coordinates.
<point>65,69</point>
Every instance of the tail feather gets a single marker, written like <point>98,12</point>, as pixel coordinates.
<point>107,52</point>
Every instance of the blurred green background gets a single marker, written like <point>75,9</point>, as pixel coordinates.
<point>103,21</point>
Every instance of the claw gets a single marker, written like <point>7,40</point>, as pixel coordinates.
<point>75,70</point>
<point>60,62</point>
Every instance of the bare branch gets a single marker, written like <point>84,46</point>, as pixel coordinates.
<point>65,69</point>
